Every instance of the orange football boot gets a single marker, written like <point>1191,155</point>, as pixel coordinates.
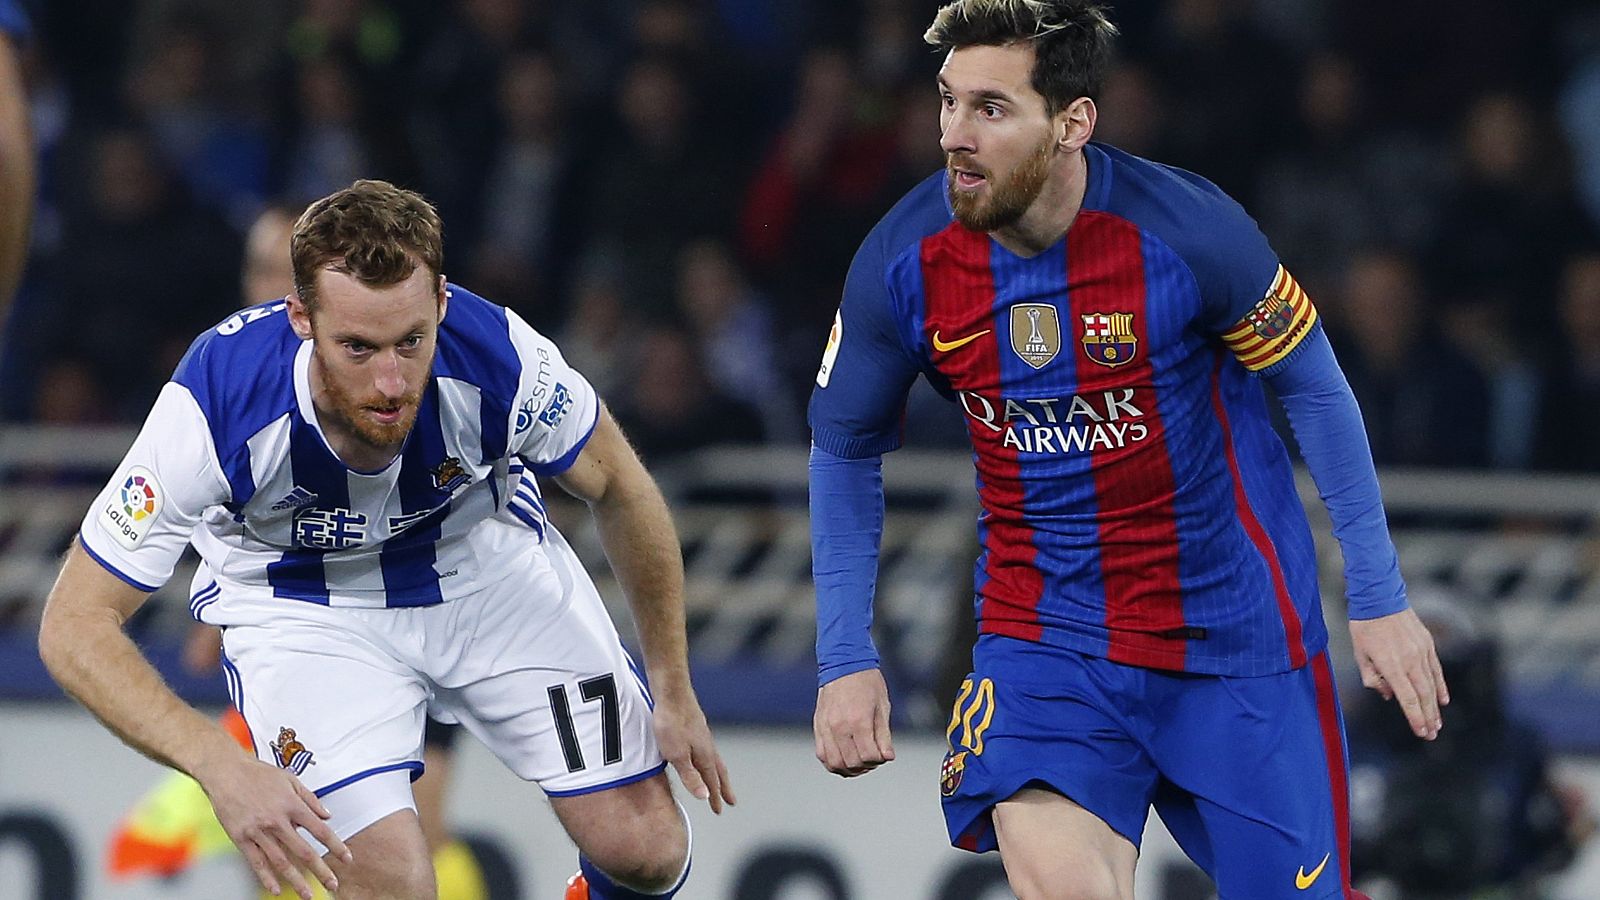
<point>577,888</point>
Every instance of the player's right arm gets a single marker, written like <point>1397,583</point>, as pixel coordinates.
<point>855,416</point>
<point>128,545</point>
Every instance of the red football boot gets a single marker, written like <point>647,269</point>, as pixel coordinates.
<point>577,888</point>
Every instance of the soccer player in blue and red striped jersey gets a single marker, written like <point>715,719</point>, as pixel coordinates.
<point>1150,630</point>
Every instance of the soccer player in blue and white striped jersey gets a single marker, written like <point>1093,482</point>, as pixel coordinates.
<point>355,464</point>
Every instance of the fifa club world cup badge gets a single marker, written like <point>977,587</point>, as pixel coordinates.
<point>289,753</point>
<point>1035,333</point>
<point>1108,338</point>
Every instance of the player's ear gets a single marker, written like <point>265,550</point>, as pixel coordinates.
<point>299,316</point>
<point>1075,124</point>
<point>444,298</point>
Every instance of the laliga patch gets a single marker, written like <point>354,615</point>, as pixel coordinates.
<point>831,353</point>
<point>132,508</point>
<point>560,404</point>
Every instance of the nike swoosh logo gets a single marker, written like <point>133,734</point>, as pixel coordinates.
<point>1303,881</point>
<point>946,347</point>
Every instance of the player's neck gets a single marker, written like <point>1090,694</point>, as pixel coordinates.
<point>1052,212</point>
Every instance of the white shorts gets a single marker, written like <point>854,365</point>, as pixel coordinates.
<point>531,666</point>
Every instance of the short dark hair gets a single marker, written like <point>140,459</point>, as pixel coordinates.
<point>372,231</point>
<point>1071,40</point>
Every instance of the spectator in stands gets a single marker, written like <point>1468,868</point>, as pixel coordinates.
<point>817,190</point>
<point>1579,107</point>
<point>1508,224</point>
<point>69,393</point>
<point>1569,429</point>
<point>673,408</point>
<point>598,337</point>
<point>1314,201</point>
<point>530,192</point>
<point>1228,93</point>
<point>180,91</point>
<point>328,147</point>
<point>733,331</point>
<point>143,265</point>
<point>1497,254</point>
<point>660,180</point>
<point>458,110</point>
<point>1424,402</point>
<point>264,276</point>
<point>1135,117</point>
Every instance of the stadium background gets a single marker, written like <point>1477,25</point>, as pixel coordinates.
<point>673,189</point>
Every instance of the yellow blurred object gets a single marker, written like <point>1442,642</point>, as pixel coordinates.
<point>169,829</point>
<point>172,827</point>
<point>457,872</point>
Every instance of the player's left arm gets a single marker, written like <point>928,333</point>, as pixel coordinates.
<point>642,546</point>
<point>1393,648</point>
<point>1270,324</point>
<point>1281,338</point>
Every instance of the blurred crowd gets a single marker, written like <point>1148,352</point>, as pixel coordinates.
<point>673,189</point>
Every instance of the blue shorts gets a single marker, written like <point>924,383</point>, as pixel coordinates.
<point>1249,774</point>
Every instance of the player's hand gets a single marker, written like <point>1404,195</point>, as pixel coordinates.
<point>1398,660</point>
<point>852,724</point>
<point>685,742</point>
<point>260,807</point>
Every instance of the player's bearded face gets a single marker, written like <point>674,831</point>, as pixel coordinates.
<point>373,349</point>
<point>1003,199</point>
<point>376,419</point>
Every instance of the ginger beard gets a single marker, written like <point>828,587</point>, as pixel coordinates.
<point>356,414</point>
<point>998,204</point>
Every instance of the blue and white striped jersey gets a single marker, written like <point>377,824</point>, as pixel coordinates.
<point>232,460</point>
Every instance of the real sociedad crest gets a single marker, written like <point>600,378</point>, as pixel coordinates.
<point>449,475</point>
<point>290,753</point>
<point>1035,333</point>
<point>1108,338</point>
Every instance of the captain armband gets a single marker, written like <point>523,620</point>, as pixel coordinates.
<point>1272,328</point>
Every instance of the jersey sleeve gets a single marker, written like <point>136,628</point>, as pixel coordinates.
<point>1247,297</point>
<point>556,408</point>
<point>142,519</point>
<point>858,404</point>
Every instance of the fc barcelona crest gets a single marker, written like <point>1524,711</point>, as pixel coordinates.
<point>1271,317</point>
<point>1035,333</point>
<point>1108,338</point>
<point>952,771</point>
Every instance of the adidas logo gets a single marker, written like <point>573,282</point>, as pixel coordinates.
<point>297,497</point>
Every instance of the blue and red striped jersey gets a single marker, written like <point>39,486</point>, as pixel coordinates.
<point>1136,502</point>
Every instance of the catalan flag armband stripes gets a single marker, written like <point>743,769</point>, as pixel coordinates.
<point>1273,327</point>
